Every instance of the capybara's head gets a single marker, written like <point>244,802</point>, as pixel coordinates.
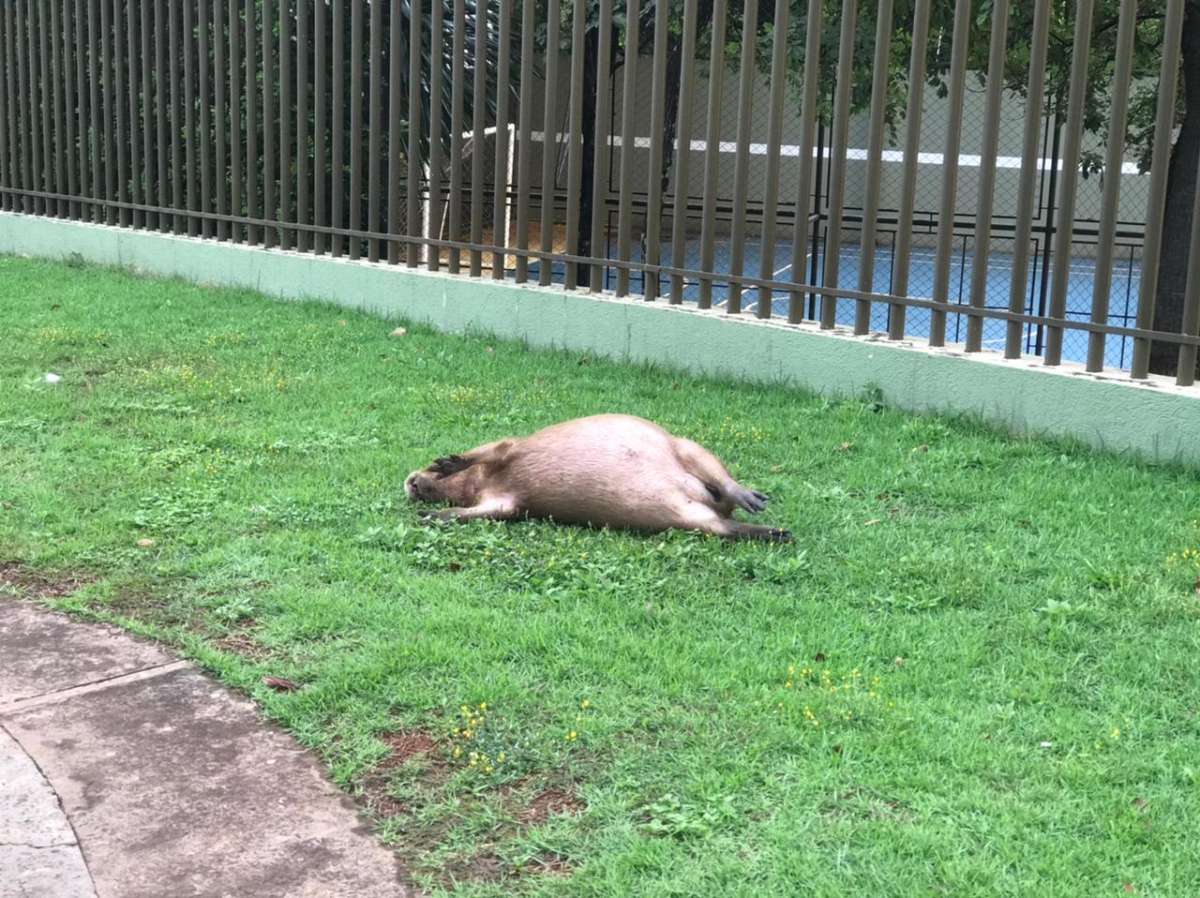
<point>440,482</point>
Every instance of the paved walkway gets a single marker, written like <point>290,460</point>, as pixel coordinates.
<point>125,773</point>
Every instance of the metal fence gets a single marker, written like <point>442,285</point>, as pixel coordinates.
<point>783,159</point>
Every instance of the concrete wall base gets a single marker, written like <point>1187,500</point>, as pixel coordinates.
<point>1154,419</point>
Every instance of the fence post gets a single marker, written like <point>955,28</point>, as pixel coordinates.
<point>1026,192</point>
<point>837,162</point>
<point>1070,179</point>
<point>879,88</point>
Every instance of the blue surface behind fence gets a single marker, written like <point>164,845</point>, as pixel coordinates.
<point>1122,300</point>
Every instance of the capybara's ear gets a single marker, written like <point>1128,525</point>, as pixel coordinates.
<point>449,464</point>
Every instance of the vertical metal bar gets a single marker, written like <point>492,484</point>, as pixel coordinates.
<point>251,105</point>
<point>879,89</point>
<point>375,129</point>
<point>83,166</point>
<point>7,96</point>
<point>396,60</point>
<point>741,165</point>
<point>33,118</point>
<point>1026,191</point>
<point>414,127</point>
<point>458,78</point>
<point>39,111</point>
<point>31,131</point>
<point>712,154</point>
<point>205,107</point>
<point>436,65</point>
<point>96,116</point>
<point>654,191</point>
<point>356,133</point>
<point>478,105</point>
<point>575,140</point>
<point>22,103</point>
<point>160,118</point>
<point>270,209</point>
<point>338,112</point>
<point>46,99</point>
<point>12,173</point>
<point>303,185</point>
<point>32,134</point>
<point>56,105</point>
<point>500,177</point>
<point>118,45</point>
<point>286,184</point>
<point>176,125</point>
<point>1118,109</point>
<point>1156,201</point>
<point>24,89</point>
<point>60,125</point>
<point>147,98</point>
<point>189,116</point>
<point>683,148</point>
<point>1065,225</point>
<point>5,126</point>
<point>134,53</point>
<point>15,146</point>
<point>954,106</point>
<point>599,245</point>
<point>524,127</point>
<point>808,121</point>
<point>19,106</point>
<point>839,143</point>
<point>766,268</point>
<point>71,50</point>
<point>1185,371</point>
<point>22,107</point>
<point>912,146</point>
<point>628,141</point>
<point>549,138</point>
<point>987,174</point>
<point>21,44</point>
<point>320,123</point>
<point>218,10</point>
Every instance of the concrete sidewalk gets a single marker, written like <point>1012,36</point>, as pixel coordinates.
<point>125,773</point>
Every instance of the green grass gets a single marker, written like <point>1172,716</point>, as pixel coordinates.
<point>994,685</point>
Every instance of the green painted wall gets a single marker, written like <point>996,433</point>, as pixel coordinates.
<point>1158,420</point>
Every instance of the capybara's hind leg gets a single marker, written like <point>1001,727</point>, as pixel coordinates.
<point>704,519</point>
<point>703,464</point>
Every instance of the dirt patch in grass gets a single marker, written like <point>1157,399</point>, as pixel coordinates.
<point>549,864</point>
<point>242,641</point>
<point>549,803</point>
<point>32,584</point>
<point>482,867</point>
<point>406,745</point>
<point>419,768</point>
<point>489,867</point>
<point>866,805</point>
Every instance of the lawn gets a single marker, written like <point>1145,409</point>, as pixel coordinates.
<point>974,672</point>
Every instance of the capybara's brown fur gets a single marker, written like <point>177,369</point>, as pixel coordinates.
<point>605,471</point>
